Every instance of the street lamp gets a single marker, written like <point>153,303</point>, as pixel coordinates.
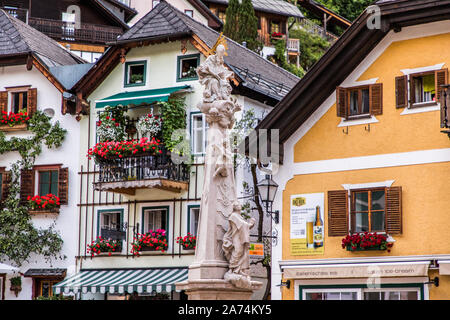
<point>267,190</point>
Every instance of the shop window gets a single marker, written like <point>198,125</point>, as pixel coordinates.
<point>135,73</point>
<point>411,293</point>
<point>363,101</point>
<point>368,210</point>
<point>155,218</point>
<point>187,67</point>
<point>44,287</point>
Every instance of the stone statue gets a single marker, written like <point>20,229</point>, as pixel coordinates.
<point>221,261</point>
<point>236,244</point>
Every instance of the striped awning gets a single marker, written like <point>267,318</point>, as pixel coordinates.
<point>123,280</point>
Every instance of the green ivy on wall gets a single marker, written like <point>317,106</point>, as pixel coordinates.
<point>19,238</point>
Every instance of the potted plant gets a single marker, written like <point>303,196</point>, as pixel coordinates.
<point>150,241</point>
<point>11,120</point>
<point>16,285</point>
<point>137,78</point>
<point>111,124</point>
<point>366,241</point>
<point>187,242</point>
<point>47,203</point>
<point>100,245</point>
<point>149,126</point>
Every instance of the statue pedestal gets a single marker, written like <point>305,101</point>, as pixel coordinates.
<point>216,289</point>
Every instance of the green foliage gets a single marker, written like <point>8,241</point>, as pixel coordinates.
<point>230,29</point>
<point>280,59</point>
<point>16,281</point>
<point>174,118</point>
<point>19,238</point>
<point>349,9</point>
<point>312,47</point>
<point>248,26</point>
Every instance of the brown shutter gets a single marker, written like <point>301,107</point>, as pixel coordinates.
<point>32,101</point>
<point>26,184</point>
<point>63,185</point>
<point>376,99</point>
<point>440,78</point>
<point>445,109</point>
<point>394,210</point>
<point>341,102</point>
<point>4,101</point>
<point>6,180</point>
<point>337,213</point>
<point>401,92</point>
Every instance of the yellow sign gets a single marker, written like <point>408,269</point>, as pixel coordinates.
<point>307,228</point>
<point>256,249</point>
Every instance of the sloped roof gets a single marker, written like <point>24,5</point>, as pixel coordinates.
<point>343,57</point>
<point>256,72</point>
<point>18,38</point>
<point>279,7</point>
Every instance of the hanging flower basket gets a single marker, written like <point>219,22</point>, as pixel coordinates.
<point>100,245</point>
<point>16,285</point>
<point>150,241</point>
<point>187,242</point>
<point>149,126</point>
<point>366,241</point>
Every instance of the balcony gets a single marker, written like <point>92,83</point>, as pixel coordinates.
<point>64,31</point>
<point>445,110</point>
<point>126,175</point>
<point>293,46</point>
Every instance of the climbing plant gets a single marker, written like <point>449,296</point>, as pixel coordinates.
<point>19,238</point>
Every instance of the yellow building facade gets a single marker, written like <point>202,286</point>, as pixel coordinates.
<point>373,153</point>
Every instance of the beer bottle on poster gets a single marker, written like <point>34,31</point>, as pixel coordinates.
<point>318,229</point>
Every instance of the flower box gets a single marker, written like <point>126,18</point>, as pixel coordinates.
<point>44,204</point>
<point>44,211</point>
<point>150,241</point>
<point>102,246</point>
<point>366,241</point>
<point>17,127</point>
<point>187,242</point>
<point>14,121</point>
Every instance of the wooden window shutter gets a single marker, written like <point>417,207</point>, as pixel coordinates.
<point>440,77</point>
<point>341,102</point>
<point>6,180</point>
<point>376,99</point>
<point>32,101</point>
<point>401,92</point>
<point>337,213</point>
<point>4,101</point>
<point>26,184</point>
<point>394,210</point>
<point>63,185</point>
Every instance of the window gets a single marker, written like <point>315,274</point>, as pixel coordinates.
<point>45,287</point>
<point>275,27</point>
<point>193,218</point>
<point>368,210</point>
<point>362,101</point>
<point>135,73</point>
<point>187,67</point>
<point>420,89</point>
<point>48,182</point>
<point>189,13</point>
<point>222,16</point>
<point>198,133</point>
<point>385,292</point>
<point>110,224</point>
<point>19,101</point>
<point>155,218</point>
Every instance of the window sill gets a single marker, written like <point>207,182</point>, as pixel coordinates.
<point>357,121</point>
<point>186,79</point>
<point>134,85</point>
<point>422,107</point>
<point>19,127</point>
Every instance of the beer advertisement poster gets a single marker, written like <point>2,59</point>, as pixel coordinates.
<point>307,224</point>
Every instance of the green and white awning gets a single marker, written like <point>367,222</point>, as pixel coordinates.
<point>123,280</point>
<point>138,97</point>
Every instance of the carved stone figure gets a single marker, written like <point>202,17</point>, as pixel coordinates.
<point>236,243</point>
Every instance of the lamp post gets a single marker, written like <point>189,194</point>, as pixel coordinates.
<point>267,190</point>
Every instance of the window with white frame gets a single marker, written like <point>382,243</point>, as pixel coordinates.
<point>198,133</point>
<point>155,218</point>
<point>194,214</point>
<point>409,293</point>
